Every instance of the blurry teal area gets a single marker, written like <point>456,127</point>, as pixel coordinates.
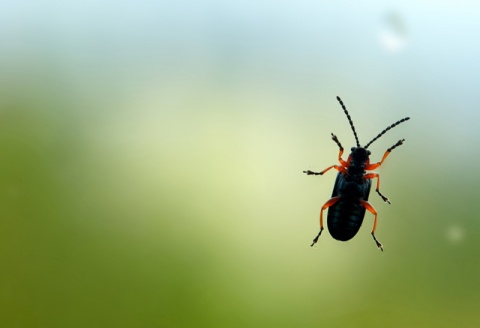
<point>151,158</point>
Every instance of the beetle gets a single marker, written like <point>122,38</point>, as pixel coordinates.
<point>346,208</point>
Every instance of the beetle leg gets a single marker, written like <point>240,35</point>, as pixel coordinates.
<point>337,167</point>
<point>389,150</point>
<point>329,203</point>
<point>376,175</point>
<point>370,208</point>
<point>334,138</point>
<point>341,168</point>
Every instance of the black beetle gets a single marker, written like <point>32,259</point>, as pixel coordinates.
<point>346,208</point>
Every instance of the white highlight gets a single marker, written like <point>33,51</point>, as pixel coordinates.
<point>393,34</point>
<point>455,234</point>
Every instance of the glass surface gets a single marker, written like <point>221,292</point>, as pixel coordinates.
<point>151,158</point>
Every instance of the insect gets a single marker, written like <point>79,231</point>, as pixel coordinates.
<point>346,208</point>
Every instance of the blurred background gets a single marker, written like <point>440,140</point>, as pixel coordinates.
<point>151,158</point>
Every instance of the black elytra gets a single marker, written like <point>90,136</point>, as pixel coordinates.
<point>346,208</point>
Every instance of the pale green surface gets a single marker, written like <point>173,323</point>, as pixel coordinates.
<point>151,159</point>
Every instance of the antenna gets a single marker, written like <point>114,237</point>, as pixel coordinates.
<point>350,120</point>
<point>384,131</point>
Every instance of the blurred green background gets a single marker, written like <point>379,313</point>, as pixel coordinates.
<point>151,158</point>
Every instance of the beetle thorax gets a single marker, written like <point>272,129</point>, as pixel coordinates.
<point>358,161</point>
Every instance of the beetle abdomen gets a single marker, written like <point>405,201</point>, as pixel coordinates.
<point>344,219</point>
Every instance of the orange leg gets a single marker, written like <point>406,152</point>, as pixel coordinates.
<point>370,208</point>
<point>334,138</point>
<point>337,167</point>
<point>329,203</point>
<point>340,168</point>
<point>389,150</point>
<point>376,175</point>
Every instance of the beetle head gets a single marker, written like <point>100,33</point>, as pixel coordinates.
<point>359,154</point>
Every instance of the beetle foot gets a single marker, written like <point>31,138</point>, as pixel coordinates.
<point>385,199</point>
<point>334,138</point>
<point>379,245</point>
<point>316,238</point>
<point>308,172</point>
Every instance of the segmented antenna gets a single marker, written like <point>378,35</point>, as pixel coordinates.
<point>384,131</point>
<point>349,120</point>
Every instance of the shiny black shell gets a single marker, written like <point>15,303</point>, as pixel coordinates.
<point>346,216</point>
